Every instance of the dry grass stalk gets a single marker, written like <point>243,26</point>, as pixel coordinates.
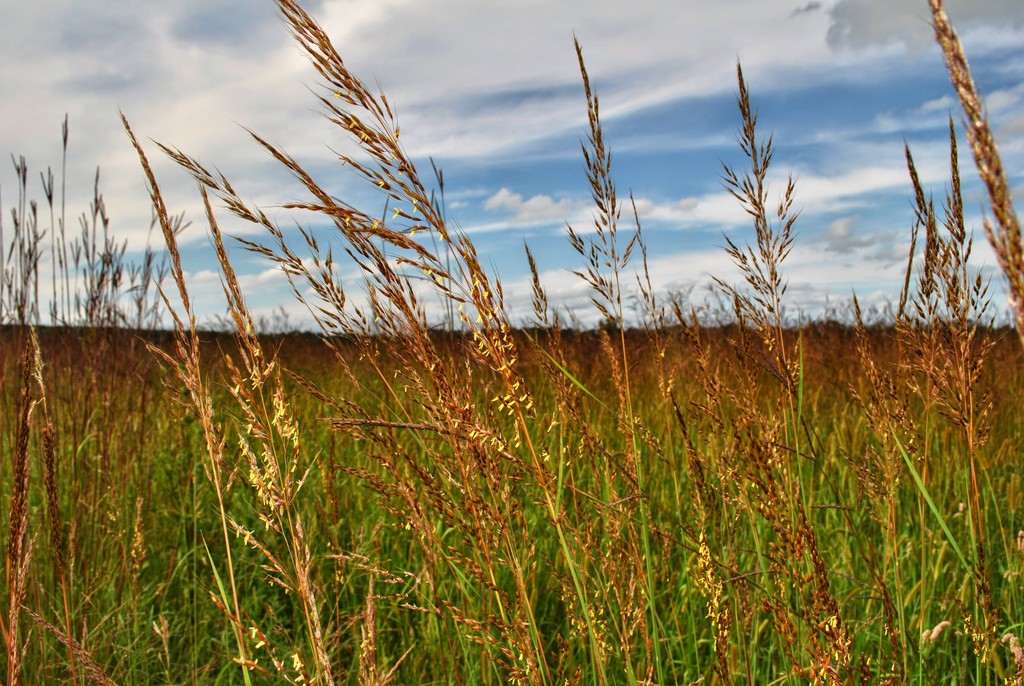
<point>19,548</point>
<point>950,347</point>
<point>942,349</point>
<point>761,264</point>
<point>272,455</point>
<point>1005,234</point>
<point>90,668</point>
<point>759,469</point>
<point>370,674</point>
<point>56,528</point>
<point>187,365</point>
<point>481,511</point>
<point>606,261</point>
<point>269,450</point>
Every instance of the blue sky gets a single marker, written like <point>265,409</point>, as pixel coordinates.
<point>491,91</point>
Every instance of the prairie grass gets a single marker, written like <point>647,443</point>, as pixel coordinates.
<point>657,501</point>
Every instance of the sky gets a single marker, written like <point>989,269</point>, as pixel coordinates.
<point>491,93</point>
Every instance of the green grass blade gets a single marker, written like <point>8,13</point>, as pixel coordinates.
<point>226,599</point>
<point>931,505</point>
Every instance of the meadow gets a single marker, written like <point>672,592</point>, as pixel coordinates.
<point>680,496</point>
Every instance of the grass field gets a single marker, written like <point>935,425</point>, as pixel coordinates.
<point>658,501</point>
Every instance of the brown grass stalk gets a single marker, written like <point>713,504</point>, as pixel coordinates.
<point>187,365</point>
<point>767,445</point>
<point>1005,233</point>
<point>56,526</point>
<point>18,546</point>
<point>90,668</point>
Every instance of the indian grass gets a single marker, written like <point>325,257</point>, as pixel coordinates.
<point>347,528</point>
<point>658,501</point>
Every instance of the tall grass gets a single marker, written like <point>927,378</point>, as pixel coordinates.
<point>648,503</point>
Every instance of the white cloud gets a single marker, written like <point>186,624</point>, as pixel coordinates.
<point>816,193</point>
<point>943,104</point>
<point>845,240</point>
<point>1004,99</point>
<point>842,237</point>
<point>865,23</point>
<point>537,209</point>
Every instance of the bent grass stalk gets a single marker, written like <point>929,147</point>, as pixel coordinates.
<point>186,365</point>
<point>1004,234</point>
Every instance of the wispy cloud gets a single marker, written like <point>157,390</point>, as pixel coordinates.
<point>510,110</point>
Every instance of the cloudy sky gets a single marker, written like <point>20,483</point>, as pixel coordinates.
<point>491,92</point>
